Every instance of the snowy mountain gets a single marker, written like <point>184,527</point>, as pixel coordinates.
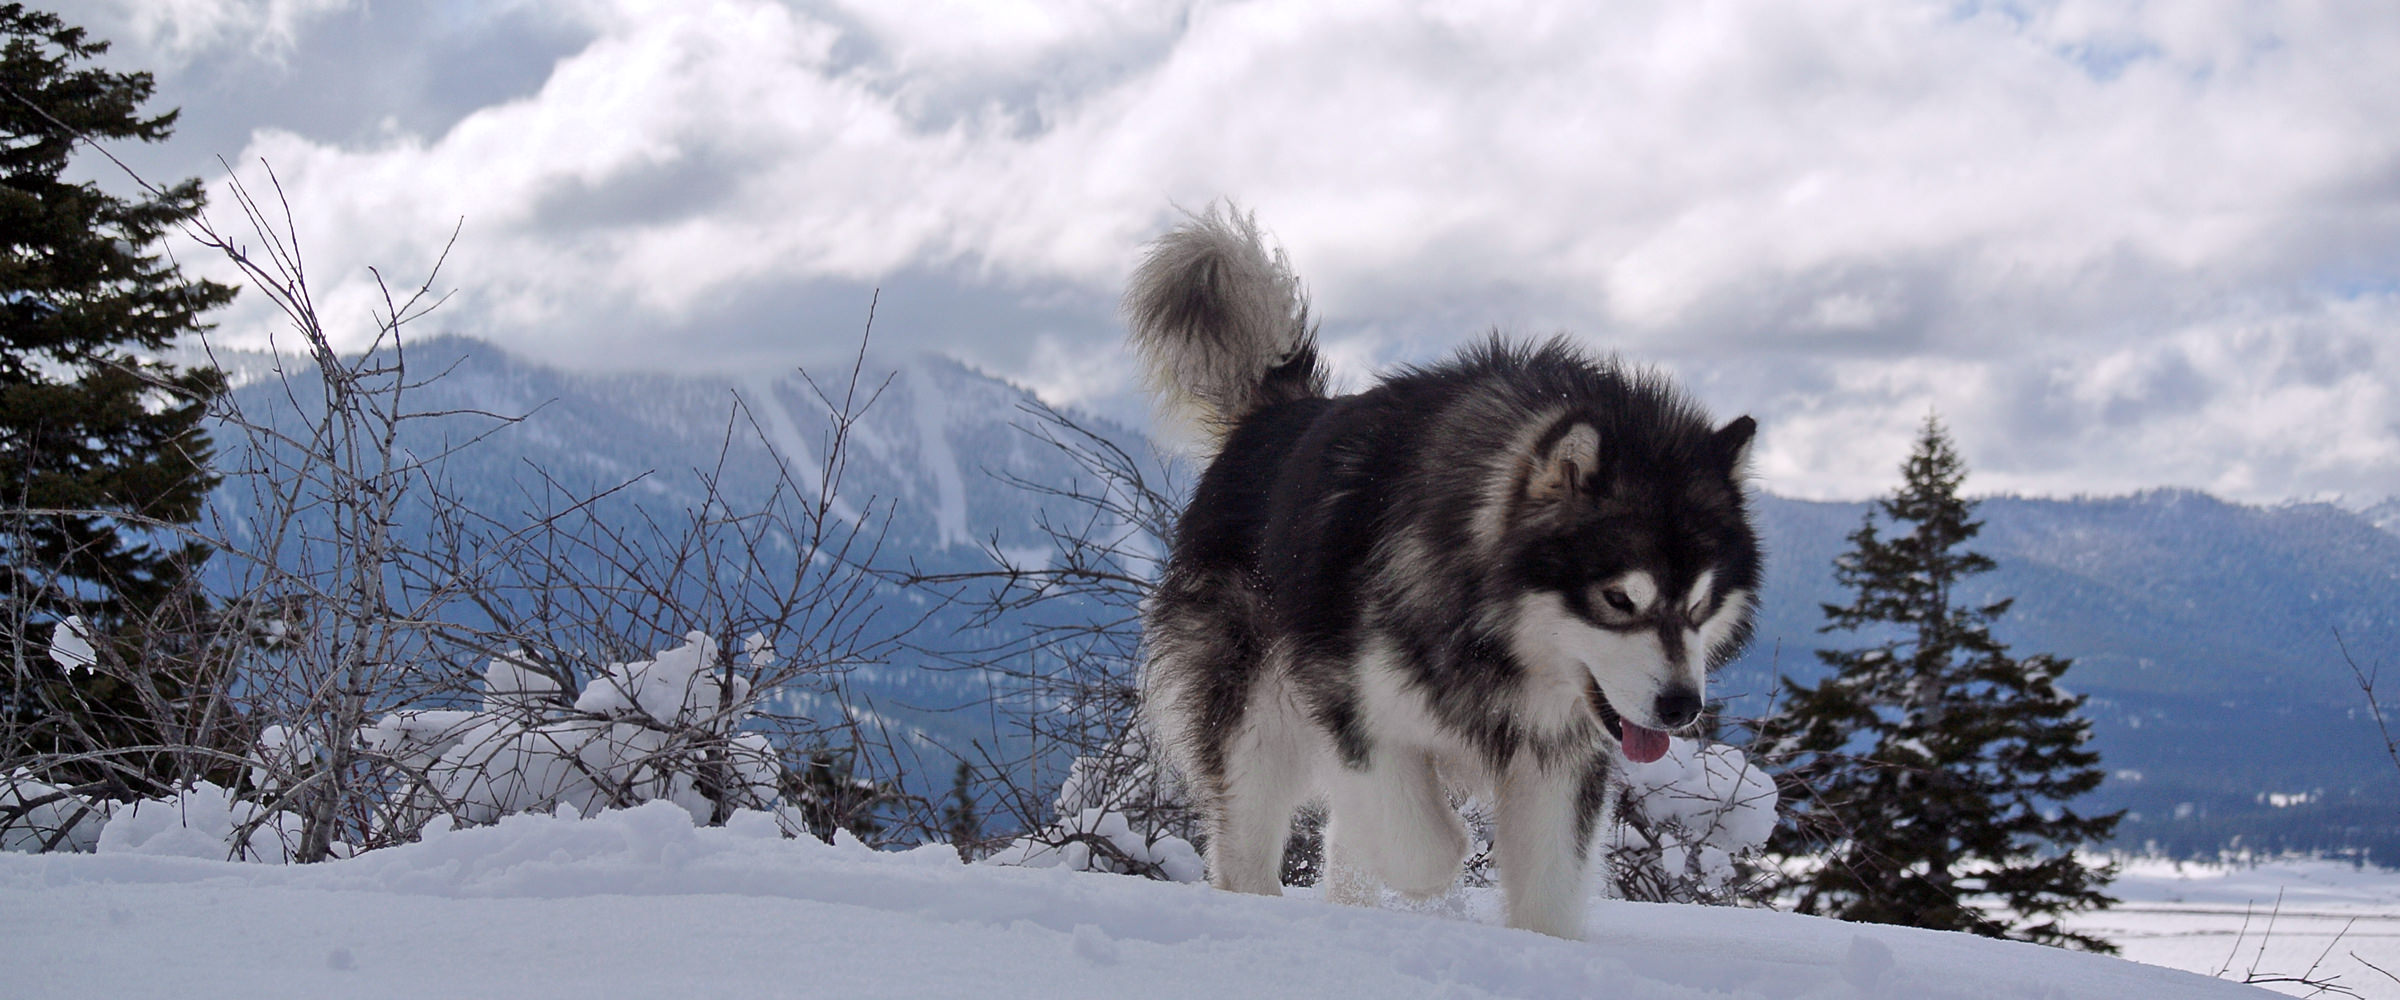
<point>2204,630</point>
<point>640,903</point>
<point>2385,515</point>
<point>932,441</point>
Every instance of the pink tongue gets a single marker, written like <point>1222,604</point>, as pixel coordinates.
<point>1642,745</point>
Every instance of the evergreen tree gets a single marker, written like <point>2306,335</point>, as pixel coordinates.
<point>91,424</point>
<point>961,821</point>
<point>1929,775</point>
<point>831,795</point>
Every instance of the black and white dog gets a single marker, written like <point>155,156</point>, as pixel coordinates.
<point>1499,574</point>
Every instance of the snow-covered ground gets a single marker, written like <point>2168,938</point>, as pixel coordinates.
<point>640,903</point>
<point>2273,918</point>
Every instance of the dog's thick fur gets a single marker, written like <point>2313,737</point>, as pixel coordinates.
<point>1501,574</point>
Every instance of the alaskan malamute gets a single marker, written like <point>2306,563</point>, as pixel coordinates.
<point>1499,574</point>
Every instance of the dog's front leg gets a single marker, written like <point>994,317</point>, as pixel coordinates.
<point>1392,821</point>
<point>1543,831</point>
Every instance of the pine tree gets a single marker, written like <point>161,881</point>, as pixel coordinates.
<point>101,450</point>
<point>961,822</point>
<point>1928,776</point>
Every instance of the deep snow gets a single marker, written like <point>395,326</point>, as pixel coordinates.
<point>641,903</point>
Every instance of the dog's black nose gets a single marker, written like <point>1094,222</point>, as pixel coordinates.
<point>1677,707</point>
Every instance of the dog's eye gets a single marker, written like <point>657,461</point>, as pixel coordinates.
<point>1617,599</point>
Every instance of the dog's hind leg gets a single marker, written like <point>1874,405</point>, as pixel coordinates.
<point>1268,774</point>
<point>1392,821</point>
<point>1543,832</point>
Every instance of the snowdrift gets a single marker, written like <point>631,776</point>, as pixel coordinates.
<point>641,903</point>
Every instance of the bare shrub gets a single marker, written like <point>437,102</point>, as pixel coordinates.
<point>1069,775</point>
<point>364,680</point>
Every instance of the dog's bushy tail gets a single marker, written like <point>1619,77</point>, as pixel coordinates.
<point>1221,323</point>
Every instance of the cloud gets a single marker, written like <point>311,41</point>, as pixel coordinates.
<point>171,33</point>
<point>2116,244</point>
<point>2259,404</point>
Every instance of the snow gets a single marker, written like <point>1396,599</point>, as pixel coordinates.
<point>200,822</point>
<point>1706,805</point>
<point>40,826</point>
<point>675,685</point>
<point>764,396</point>
<point>71,646</point>
<point>932,415</point>
<point>629,738</point>
<point>640,902</point>
<point>639,731</point>
<point>2273,917</point>
<point>1062,847</point>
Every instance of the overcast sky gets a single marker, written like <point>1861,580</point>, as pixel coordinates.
<point>2114,245</point>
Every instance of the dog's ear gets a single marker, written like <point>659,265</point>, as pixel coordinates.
<point>1730,446</point>
<point>1565,467</point>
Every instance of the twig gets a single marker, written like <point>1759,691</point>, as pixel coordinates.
<point>2366,686</point>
